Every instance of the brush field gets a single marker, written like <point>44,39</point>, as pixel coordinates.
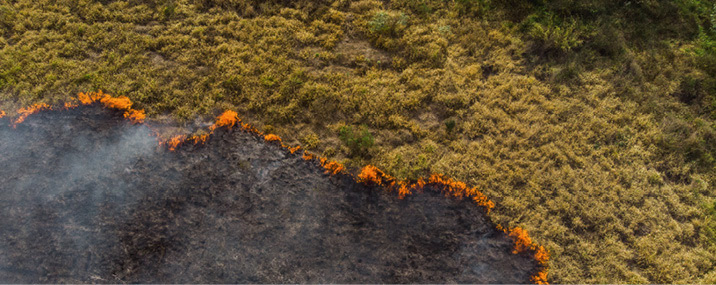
<point>591,124</point>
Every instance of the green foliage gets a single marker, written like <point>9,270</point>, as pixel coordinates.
<point>711,217</point>
<point>555,34</point>
<point>390,24</point>
<point>473,7</point>
<point>450,125</point>
<point>359,142</point>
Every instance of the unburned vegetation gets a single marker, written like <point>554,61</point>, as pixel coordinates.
<point>589,123</point>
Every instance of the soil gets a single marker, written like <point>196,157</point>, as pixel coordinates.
<point>85,196</point>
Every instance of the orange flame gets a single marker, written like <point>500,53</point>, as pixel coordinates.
<point>333,167</point>
<point>307,155</point>
<point>371,174</point>
<point>540,277</point>
<point>226,119</point>
<point>135,116</point>
<point>523,243</point>
<point>85,99</point>
<point>25,112</point>
<point>521,238</point>
<point>174,142</point>
<point>70,105</point>
<point>121,103</point>
<point>2,113</point>
<point>200,138</point>
<point>272,137</point>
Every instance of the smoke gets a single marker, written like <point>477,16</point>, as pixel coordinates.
<point>87,197</point>
<point>58,172</point>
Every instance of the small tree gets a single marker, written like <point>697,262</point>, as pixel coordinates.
<point>358,142</point>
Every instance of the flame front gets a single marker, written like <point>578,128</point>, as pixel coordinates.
<point>227,119</point>
<point>272,137</point>
<point>174,142</point>
<point>120,103</point>
<point>70,105</point>
<point>25,112</point>
<point>2,114</point>
<point>369,174</point>
<point>523,243</point>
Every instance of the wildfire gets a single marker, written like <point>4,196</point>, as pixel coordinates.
<point>70,105</point>
<point>226,119</point>
<point>120,103</point>
<point>25,112</point>
<point>333,167</point>
<point>523,243</point>
<point>294,149</point>
<point>307,155</point>
<point>135,116</point>
<point>199,138</point>
<point>369,174</point>
<point>174,142</point>
<point>272,137</point>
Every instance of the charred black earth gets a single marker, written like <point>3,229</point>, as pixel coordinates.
<point>87,197</point>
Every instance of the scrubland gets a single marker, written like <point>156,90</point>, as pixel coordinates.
<point>591,124</point>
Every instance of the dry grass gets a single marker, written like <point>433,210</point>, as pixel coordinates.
<point>596,157</point>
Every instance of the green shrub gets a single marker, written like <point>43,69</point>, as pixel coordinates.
<point>388,23</point>
<point>450,126</point>
<point>359,142</point>
<point>472,7</point>
<point>555,34</point>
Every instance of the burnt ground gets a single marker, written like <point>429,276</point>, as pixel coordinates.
<point>87,197</point>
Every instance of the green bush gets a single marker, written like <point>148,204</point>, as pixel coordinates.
<point>387,23</point>
<point>450,126</point>
<point>472,7</point>
<point>555,34</point>
<point>359,142</point>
